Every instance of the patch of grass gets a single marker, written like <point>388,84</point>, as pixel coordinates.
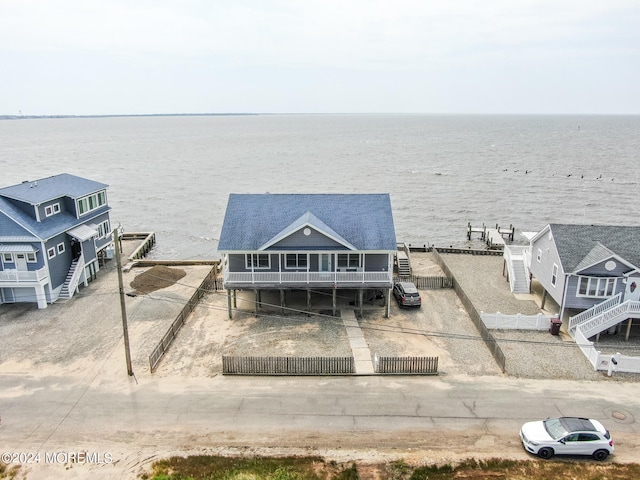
<point>9,472</point>
<point>314,468</point>
<point>254,468</point>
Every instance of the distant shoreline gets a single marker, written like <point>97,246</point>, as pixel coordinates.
<point>31,117</point>
<point>249,114</point>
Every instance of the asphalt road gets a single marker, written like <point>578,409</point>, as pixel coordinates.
<point>135,422</point>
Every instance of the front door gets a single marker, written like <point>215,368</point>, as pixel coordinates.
<point>325,262</point>
<point>632,290</point>
<point>21,262</point>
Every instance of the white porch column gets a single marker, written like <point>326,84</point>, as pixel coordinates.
<point>41,296</point>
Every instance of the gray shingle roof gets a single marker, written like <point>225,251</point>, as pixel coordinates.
<point>50,188</point>
<point>363,220</point>
<point>575,242</point>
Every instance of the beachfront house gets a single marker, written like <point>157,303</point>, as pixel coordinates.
<point>53,232</point>
<point>591,271</point>
<point>326,245</point>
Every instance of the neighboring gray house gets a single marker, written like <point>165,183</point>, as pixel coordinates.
<point>53,231</point>
<point>311,242</point>
<point>592,268</point>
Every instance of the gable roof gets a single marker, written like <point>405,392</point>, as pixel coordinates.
<point>50,188</point>
<point>255,221</point>
<point>308,220</point>
<point>581,245</point>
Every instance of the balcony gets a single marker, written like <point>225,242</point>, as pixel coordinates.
<point>22,276</point>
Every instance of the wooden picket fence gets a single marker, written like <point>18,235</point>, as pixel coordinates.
<point>427,283</point>
<point>287,365</point>
<point>167,339</point>
<point>406,365</point>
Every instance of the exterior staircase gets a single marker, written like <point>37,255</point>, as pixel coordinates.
<point>403,261</point>
<point>515,258</point>
<point>603,316</point>
<point>73,278</point>
<point>404,269</point>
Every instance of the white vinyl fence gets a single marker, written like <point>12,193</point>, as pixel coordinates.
<point>498,321</point>
<point>610,363</point>
<point>602,362</point>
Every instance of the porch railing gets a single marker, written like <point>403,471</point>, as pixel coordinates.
<point>307,277</point>
<point>23,275</point>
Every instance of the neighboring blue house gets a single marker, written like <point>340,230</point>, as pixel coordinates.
<point>310,242</point>
<point>590,268</point>
<point>53,231</point>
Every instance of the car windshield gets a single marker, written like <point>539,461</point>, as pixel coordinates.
<point>555,428</point>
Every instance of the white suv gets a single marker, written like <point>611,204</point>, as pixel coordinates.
<point>567,436</point>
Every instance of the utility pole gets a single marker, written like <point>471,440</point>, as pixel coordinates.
<point>123,308</point>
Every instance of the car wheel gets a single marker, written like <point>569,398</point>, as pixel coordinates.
<point>600,455</point>
<point>545,452</point>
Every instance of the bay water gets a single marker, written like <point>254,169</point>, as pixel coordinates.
<point>173,174</point>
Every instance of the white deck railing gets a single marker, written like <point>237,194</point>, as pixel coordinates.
<point>593,312</point>
<point>609,318</point>
<point>517,253</point>
<point>23,275</point>
<point>307,277</point>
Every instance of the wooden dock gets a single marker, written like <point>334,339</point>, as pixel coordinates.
<point>494,237</point>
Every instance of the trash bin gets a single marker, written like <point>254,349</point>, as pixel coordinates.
<point>555,326</point>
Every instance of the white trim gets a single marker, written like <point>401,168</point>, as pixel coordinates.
<point>60,248</point>
<point>607,291</point>
<point>87,200</point>
<point>52,209</point>
<point>51,252</point>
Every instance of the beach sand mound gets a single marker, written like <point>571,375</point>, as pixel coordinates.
<point>155,278</point>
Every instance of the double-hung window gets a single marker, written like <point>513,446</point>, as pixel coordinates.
<point>295,260</point>
<point>103,229</point>
<point>258,260</point>
<point>554,275</point>
<point>349,260</point>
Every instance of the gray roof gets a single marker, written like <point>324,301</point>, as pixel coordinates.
<point>577,242</point>
<point>252,221</point>
<point>50,188</point>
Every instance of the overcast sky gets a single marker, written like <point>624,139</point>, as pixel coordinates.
<point>314,56</point>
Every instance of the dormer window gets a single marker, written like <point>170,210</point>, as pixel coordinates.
<point>91,202</point>
<point>52,209</point>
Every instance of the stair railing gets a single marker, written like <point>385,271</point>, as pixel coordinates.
<point>75,278</point>
<point>594,311</point>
